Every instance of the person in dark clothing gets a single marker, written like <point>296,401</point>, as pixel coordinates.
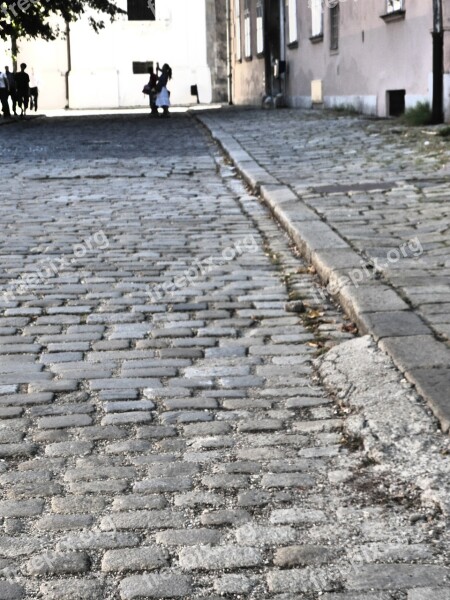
<point>23,89</point>
<point>152,87</point>
<point>12,89</point>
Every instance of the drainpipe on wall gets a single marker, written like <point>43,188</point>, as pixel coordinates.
<point>229,55</point>
<point>438,63</point>
<point>69,65</point>
<point>282,75</point>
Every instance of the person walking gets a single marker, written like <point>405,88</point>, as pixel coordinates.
<point>34,91</point>
<point>12,89</point>
<point>23,89</point>
<point>4,91</point>
<point>163,97</point>
<point>152,83</point>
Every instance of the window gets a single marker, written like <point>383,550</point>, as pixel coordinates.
<point>141,10</point>
<point>238,29</point>
<point>316,17</point>
<point>292,21</point>
<point>247,30</point>
<point>394,5</point>
<point>141,68</point>
<point>334,27</point>
<point>259,27</point>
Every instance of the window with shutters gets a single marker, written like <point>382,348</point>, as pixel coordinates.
<point>259,27</point>
<point>334,27</point>
<point>316,7</point>
<point>394,5</point>
<point>238,29</point>
<point>292,21</point>
<point>247,30</point>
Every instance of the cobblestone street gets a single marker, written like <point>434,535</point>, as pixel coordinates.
<point>178,417</point>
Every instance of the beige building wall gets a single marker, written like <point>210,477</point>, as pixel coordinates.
<point>374,56</point>
<point>248,73</point>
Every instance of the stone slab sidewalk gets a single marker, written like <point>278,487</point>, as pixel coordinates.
<point>367,203</point>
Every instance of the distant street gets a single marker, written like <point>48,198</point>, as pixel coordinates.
<point>167,429</point>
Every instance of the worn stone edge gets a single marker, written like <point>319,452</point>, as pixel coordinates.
<point>278,197</point>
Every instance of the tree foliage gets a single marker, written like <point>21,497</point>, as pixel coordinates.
<point>31,18</point>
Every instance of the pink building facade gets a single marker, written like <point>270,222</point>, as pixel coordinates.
<point>372,55</point>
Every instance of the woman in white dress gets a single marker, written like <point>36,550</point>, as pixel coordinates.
<point>163,97</point>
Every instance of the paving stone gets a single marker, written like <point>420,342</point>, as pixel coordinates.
<point>57,563</point>
<point>259,535</point>
<point>63,522</point>
<point>417,351</point>
<point>11,591</point>
<point>143,519</point>
<point>260,425</point>
<point>98,487</point>
<point>97,472</point>
<point>75,504</point>
<point>221,557</point>
<point>288,480</point>
<point>304,555</point>
<point>388,576</point>
<point>96,540</point>
<point>138,405</point>
<point>69,449</point>
<point>128,446</point>
<point>22,508</point>
<point>124,418</point>
<point>186,417</point>
<point>357,596</point>
<point>25,399</point>
<point>225,481</point>
<point>163,484</point>
<point>124,383</point>
<point>134,559</point>
<point>62,422</point>
<point>166,584</point>
<point>299,580</point>
<point>11,450</point>
<point>199,499</point>
<point>96,433</point>
<point>198,429</point>
<point>297,515</point>
<point>392,324</point>
<point>429,594</point>
<point>72,589</point>
<point>188,537</point>
<point>133,502</point>
<point>234,584</point>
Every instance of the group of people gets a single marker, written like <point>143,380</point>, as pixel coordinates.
<point>20,89</point>
<point>159,95</point>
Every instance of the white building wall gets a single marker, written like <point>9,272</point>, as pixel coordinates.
<point>101,74</point>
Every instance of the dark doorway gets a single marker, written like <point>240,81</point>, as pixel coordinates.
<point>272,44</point>
<point>396,102</point>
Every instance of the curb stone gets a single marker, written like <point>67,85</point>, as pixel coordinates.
<point>368,300</point>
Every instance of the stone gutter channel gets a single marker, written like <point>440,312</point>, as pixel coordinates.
<point>375,306</point>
